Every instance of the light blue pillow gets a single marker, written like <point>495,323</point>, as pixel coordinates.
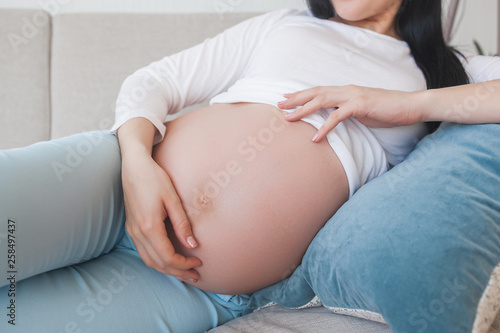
<point>417,245</point>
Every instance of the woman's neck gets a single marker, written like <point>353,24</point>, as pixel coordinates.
<point>382,25</point>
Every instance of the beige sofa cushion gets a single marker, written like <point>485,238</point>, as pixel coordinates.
<point>24,77</point>
<point>93,54</point>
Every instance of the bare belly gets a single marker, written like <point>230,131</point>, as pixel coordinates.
<point>255,188</point>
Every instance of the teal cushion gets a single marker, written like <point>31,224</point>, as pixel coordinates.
<point>417,245</point>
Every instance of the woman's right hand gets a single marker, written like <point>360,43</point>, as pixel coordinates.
<point>149,198</point>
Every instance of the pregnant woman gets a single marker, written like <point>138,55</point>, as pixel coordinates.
<point>231,195</point>
<point>283,187</point>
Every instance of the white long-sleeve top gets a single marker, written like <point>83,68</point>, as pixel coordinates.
<point>280,52</point>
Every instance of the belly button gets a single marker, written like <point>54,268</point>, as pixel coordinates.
<point>200,204</point>
<point>202,201</point>
<point>205,201</point>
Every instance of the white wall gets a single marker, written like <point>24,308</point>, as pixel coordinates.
<point>174,6</point>
<point>477,18</point>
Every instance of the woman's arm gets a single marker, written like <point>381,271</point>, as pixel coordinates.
<point>149,196</point>
<point>471,104</point>
<point>474,103</point>
<point>145,99</point>
<point>192,76</point>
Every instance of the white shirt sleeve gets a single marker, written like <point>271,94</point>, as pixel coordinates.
<point>192,76</point>
<point>483,68</point>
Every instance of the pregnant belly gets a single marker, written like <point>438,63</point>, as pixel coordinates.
<point>255,188</point>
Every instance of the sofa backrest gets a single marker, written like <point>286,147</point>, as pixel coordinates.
<point>24,77</point>
<point>66,77</point>
<point>61,75</point>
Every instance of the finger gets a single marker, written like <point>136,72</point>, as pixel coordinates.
<point>191,273</point>
<point>335,118</point>
<point>307,109</point>
<point>179,220</point>
<point>157,264</point>
<point>299,98</point>
<point>175,264</point>
<point>181,274</point>
<point>302,97</point>
<point>157,252</point>
<point>172,270</point>
<point>189,279</point>
<point>285,104</point>
<point>144,254</point>
<point>147,253</point>
<point>168,257</point>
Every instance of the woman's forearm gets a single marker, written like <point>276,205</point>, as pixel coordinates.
<point>136,135</point>
<point>150,197</point>
<point>476,103</point>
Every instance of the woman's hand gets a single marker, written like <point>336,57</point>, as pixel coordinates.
<point>149,198</point>
<point>372,107</point>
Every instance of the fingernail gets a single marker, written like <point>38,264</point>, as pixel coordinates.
<point>191,241</point>
<point>280,104</point>
<point>289,116</point>
<point>315,138</point>
<point>193,280</point>
<point>287,95</point>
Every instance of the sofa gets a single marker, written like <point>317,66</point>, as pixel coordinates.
<point>60,75</point>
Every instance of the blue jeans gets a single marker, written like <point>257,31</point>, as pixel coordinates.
<point>67,262</point>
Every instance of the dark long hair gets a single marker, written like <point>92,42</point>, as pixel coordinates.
<point>418,23</point>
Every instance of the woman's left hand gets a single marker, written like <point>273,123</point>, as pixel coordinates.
<point>370,106</point>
